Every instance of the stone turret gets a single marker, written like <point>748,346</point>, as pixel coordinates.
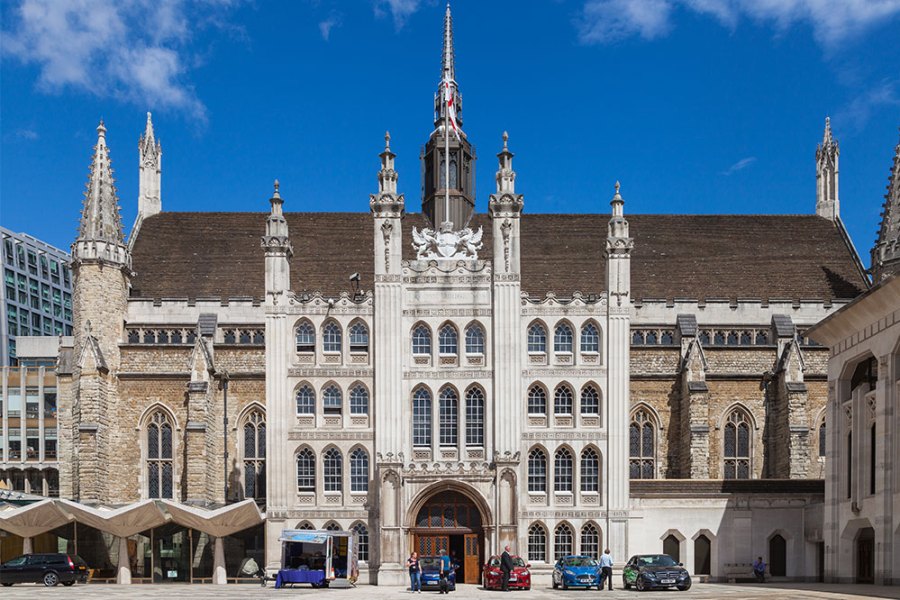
<point>505,209</point>
<point>827,155</point>
<point>277,244</point>
<point>886,253</point>
<point>150,167</point>
<point>388,208</point>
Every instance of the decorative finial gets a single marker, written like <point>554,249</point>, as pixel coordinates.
<point>148,116</point>
<point>101,129</point>
<point>276,194</point>
<point>618,185</point>
<point>505,140</point>
<point>387,141</point>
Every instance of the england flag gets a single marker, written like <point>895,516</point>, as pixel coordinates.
<point>451,107</point>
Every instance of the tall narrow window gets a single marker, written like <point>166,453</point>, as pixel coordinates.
<point>822,438</point>
<point>562,542</point>
<point>537,471</point>
<point>331,338</point>
<point>590,471</point>
<point>537,543</point>
<point>537,401</point>
<point>359,400</point>
<point>421,340</point>
<point>537,339</point>
<point>255,456</point>
<point>562,402</point>
<point>448,340</point>
<point>590,339</point>
<point>306,471</point>
<point>590,401</point>
<point>642,446</point>
<point>159,456</point>
<point>562,339</point>
<point>332,469</point>
<point>590,541</point>
<point>306,337</point>
<point>737,446</point>
<point>359,337</point>
<point>331,400</point>
<point>562,471</point>
<point>474,340</point>
<point>306,400</point>
<point>872,458</point>
<point>359,471</point>
<point>475,417</point>
<point>421,418</point>
<point>362,541</point>
<point>449,417</point>
<point>850,464</point>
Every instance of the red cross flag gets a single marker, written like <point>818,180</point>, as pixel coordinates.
<point>451,107</point>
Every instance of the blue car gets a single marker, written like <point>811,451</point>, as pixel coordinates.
<point>431,574</point>
<point>576,571</point>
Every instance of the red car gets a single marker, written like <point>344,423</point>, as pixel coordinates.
<point>519,577</point>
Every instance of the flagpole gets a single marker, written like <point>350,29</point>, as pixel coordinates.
<point>446,148</point>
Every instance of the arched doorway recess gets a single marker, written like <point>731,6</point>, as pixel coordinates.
<point>450,520</point>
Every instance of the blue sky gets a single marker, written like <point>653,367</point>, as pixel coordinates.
<point>697,106</point>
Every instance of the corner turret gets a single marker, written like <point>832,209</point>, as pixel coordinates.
<point>827,155</point>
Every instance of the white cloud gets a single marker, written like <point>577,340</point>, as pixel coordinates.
<point>857,112</point>
<point>27,134</point>
<point>325,27</point>
<point>832,21</point>
<point>400,10</point>
<point>739,165</point>
<point>136,50</point>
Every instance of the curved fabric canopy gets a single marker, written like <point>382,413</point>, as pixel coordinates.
<point>217,523</point>
<point>123,522</point>
<point>34,519</point>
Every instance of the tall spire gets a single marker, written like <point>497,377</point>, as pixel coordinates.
<point>150,171</point>
<point>827,155</point>
<point>886,253</point>
<point>448,72</point>
<point>448,69</point>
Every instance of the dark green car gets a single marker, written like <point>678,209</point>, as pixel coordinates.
<point>655,571</point>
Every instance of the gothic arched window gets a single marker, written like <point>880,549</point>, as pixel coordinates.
<point>563,400</point>
<point>421,340</point>
<point>159,456</point>
<point>448,408</point>
<point>563,541</point>
<point>537,471</point>
<point>359,337</point>
<point>562,339</point>
<point>474,339</point>
<point>590,339</point>
<point>362,541</point>
<point>331,337</point>
<point>642,446</point>
<point>590,471</point>
<point>822,438</point>
<point>448,340</point>
<point>255,456</point>
<point>331,400</point>
<point>737,445</point>
<point>537,338</point>
<point>306,337</point>
<point>537,543</point>
<point>475,417</point>
<point>332,470</point>
<point>306,400</point>
<point>359,471</point>
<point>537,401</point>
<point>562,471</point>
<point>590,401</point>
<point>332,526</point>
<point>590,541</point>
<point>359,400</point>
<point>421,418</point>
<point>306,471</point>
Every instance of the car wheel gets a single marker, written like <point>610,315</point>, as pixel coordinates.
<point>68,583</point>
<point>639,584</point>
<point>684,588</point>
<point>7,584</point>
<point>565,585</point>
<point>51,579</point>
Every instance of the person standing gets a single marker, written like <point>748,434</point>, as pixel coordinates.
<point>506,567</point>
<point>415,573</point>
<point>606,564</point>
<point>445,572</point>
<point>759,570</point>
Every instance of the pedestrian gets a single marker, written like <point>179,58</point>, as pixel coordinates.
<point>415,573</point>
<point>759,570</point>
<point>506,567</point>
<point>445,572</point>
<point>606,563</point>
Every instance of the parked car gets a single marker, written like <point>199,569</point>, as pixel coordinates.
<point>49,569</point>
<point>519,577</point>
<point>431,574</point>
<point>653,571</point>
<point>576,571</point>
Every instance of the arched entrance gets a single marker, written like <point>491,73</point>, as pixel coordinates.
<point>865,555</point>
<point>450,520</point>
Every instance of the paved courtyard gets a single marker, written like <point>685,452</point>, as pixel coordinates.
<point>250,592</point>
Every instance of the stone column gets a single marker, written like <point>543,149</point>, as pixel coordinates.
<point>123,572</point>
<point>220,577</point>
<point>26,545</point>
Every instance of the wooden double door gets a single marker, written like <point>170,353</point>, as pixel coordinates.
<point>464,547</point>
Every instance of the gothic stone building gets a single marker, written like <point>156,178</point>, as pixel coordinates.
<point>454,378</point>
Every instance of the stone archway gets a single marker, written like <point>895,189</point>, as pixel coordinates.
<point>451,516</point>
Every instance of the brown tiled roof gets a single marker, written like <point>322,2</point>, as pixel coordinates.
<point>675,256</point>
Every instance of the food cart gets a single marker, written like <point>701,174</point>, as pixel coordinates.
<point>318,557</point>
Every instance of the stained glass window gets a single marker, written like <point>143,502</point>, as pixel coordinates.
<point>159,456</point>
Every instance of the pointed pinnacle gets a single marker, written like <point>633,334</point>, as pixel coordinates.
<point>505,140</point>
<point>276,194</point>
<point>826,138</point>
<point>101,129</point>
<point>387,141</point>
<point>618,185</point>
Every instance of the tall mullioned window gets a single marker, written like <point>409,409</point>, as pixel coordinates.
<point>306,337</point>
<point>642,446</point>
<point>537,543</point>
<point>448,340</point>
<point>359,471</point>
<point>306,471</point>
<point>562,339</point>
<point>562,402</point>
<point>590,471</point>
<point>537,338</point>
<point>306,400</point>
<point>537,401</point>
<point>255,456</point>
<point>737,446</point>
<point>590,401</point>
<point>474,340</point>
<point>449,417</point>
<point>537,471</point>
<point>590,541</point>
<point>563,541</point>
<point>362,541</point>
<point>590,339</point>
<point>331,337</point>
<point>421,418</point>
<point>822,438</point>
<point>332,400</point>
<point>359,400</point>
<point>562,471</point>
<point>159,456</point>
<point>332,470</point>
<point>421,340</point>
<point>475,417</point>
<point>359,337</point>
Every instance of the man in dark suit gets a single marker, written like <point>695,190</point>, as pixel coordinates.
<point>506,567</point>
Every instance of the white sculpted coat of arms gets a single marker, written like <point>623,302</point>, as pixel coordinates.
<point>446,244</point>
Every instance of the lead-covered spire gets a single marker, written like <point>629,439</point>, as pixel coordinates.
<point>448,69</point>
<point>448,73</point>
<point>886,253</point>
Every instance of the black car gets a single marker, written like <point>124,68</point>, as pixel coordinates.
<point>49,569</point>
<point>650,571</point>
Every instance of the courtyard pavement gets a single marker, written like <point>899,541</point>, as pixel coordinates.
<point>250,592</point>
